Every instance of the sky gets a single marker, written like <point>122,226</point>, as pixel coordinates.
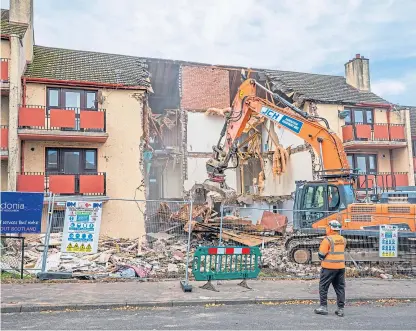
<point>317,36</point>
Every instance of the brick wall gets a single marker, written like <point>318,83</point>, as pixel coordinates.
<point>204,87</point>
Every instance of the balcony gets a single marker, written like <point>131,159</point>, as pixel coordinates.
<point>91,184</point>
<point>70,124</point>
<point>4,75</point>
<point>384,181</point>
<point>378,135</point>
<point>4,142</point>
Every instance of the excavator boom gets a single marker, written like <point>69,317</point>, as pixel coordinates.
<point>325,143</point>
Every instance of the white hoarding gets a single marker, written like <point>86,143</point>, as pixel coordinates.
<point>81,227</point>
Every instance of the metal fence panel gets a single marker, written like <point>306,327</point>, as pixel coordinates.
<point>12,255</point>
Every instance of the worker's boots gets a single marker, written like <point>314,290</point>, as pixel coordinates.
<point>322,310</point>
<point>339,312</point>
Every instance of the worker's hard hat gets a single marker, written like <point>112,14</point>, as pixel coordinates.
<point>335,225</point>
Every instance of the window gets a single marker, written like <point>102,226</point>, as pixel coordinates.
<point>71,99</point>
<point>364,163</point>
<point>359,115</point>
<point>314,197</point>
<point>333,198</point>
<point>52,159</point>
<point>71,160</point>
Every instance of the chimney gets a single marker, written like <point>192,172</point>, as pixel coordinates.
<point>21,11</point>
<point>357,73</point>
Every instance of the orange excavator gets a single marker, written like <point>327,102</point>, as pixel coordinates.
<point>316,202</point>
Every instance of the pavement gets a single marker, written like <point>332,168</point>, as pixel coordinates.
<point>358,316</point>
<point>100,295</point>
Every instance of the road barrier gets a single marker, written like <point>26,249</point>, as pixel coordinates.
<point>226,263</point>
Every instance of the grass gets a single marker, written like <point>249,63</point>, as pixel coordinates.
<point>5,275</point>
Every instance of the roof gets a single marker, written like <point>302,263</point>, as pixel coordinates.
<point>324,88</point>
<point>7,28</point>
<point>86,66</point>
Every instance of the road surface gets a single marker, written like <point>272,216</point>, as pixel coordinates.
<point>379,315</point>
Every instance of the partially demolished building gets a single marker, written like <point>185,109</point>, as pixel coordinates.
<point>187,123</point>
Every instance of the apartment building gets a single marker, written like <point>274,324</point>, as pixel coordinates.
<point>72,123</point>
<point>105,127</point>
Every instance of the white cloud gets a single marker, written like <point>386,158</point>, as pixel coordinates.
<point>388,87</point>
<point>288,34</point>
<point>400,90</point>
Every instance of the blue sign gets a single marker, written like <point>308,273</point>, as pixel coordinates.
<point>284,120</point>
<point>21,212</point>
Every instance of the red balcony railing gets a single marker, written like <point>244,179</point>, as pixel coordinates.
<point>62,184</point>
<point>383,180</point>
<point>373,132</point>
<point>4,70</point>
<point>66,119</point>
<point>4,142</point>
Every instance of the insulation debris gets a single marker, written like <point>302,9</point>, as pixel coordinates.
<point>218,111</point>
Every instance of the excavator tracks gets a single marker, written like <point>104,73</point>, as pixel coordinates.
<point>300,248</point>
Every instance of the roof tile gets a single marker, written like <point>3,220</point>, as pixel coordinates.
<point>85,66</point>
<point>316,87</point>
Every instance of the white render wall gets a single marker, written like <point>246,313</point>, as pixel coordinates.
<point>197,173</point>
<point>203,132</point>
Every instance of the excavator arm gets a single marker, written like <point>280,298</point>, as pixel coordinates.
<point>246,104</point>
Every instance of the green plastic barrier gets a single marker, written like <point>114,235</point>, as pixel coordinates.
<point>226,263</point>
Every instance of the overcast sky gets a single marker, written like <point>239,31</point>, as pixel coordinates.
<point>316,36</point>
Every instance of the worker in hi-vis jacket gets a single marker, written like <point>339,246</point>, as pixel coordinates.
<point>332,256</point>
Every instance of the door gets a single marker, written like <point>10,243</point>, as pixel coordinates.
<point>71,164</point>
<point>73,102</point>
<point>71,161</point>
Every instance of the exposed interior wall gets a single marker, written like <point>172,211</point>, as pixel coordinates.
<point>204,87</point>
<point>203,132</point>
<point>197,173</point>
<point>119,157</point>
<point>3,175</point>
<point>299,167</point>
<point>172,180</point>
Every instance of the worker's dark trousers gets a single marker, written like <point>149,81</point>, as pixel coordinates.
<point>336,277</point>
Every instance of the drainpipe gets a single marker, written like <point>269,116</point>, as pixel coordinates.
<point>22,156</point>
<point>24,92</point>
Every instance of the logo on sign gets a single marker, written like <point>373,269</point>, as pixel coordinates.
<point>284,120</point>
<point>11,206</point>
<point>97,205</point>
<point>70,204</point>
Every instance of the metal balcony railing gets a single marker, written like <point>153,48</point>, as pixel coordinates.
<point>64,119</point>
<point>63,184</point>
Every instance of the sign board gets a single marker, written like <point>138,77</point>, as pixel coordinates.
<point>388,241</point>
<point>289,122</point>
<point>81,227</point>
<point>21,212</point>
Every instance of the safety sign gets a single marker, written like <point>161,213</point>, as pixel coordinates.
<point>388,241</point>
<point>81,227</point>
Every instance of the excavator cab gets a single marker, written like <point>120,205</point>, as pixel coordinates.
<point>317,200</point>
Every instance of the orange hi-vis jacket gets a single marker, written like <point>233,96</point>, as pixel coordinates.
<point>332,252</point>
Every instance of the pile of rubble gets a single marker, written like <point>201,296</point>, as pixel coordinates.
<point>163,258</point>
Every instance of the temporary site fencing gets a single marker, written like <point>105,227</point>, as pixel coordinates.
<point>172,230</point>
